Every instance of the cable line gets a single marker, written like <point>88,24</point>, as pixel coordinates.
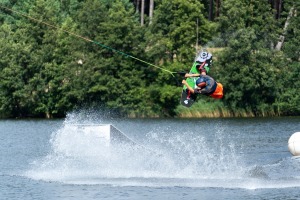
<point>87,39</point>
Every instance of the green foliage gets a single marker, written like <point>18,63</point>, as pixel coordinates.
<point>251,68</point>
<point>174,29</point>
<point>291,47</point>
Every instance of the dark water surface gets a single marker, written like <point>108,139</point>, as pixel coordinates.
<point>174,159</point>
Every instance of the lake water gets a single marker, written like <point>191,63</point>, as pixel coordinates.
<point>174,159</point>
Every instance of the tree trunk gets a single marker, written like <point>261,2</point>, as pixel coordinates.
<point>286,24</point>
<point>218,4</point>
<point>277,7</point>
<point>137,6</point>
<point>142,12</point>
<point>151,7</point>
<point>211,8</point>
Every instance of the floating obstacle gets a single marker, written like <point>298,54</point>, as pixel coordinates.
<point>294,144</point>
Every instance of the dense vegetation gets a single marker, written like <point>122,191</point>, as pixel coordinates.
<point>46,72</point>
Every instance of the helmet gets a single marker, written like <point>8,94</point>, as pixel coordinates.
<point>200,82</point>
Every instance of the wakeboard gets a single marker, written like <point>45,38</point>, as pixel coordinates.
<point>187,98</point>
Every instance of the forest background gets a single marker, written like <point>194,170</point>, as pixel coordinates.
<point>46,72</point>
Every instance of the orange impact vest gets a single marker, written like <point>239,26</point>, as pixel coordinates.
<point>218,93</point>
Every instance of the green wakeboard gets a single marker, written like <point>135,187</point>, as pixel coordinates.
<point>188,98</point>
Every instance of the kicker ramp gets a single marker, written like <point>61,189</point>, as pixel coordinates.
<point>104,133</point>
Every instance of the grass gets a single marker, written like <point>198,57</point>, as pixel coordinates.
<point>204,108</point>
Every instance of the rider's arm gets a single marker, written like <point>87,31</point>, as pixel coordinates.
<point>188,87</point>
<point>191,75</point>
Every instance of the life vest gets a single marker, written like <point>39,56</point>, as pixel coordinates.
<point>218,93</point>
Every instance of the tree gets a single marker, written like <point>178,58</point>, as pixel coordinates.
<point>11,75</point>
<point>288,99</point>
<point>142,12</point>
<point>248,67</point>
<point>116,80</point>
<point>277,5</point>
<point>291,32</point>
<point>287,22</point>
<point>151,7</point>
<point>173,31</point>
<point>211,10</point>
